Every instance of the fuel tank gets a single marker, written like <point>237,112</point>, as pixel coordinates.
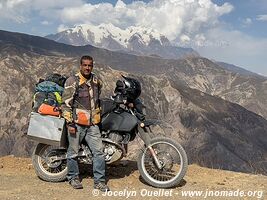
<point>121,121</point>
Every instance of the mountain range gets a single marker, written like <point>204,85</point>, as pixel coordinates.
<point>218,115</point>
<point>195,72</point>
<point>134,40</point>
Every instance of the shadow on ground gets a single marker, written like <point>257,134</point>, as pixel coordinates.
<point>115,171</point>
<point>118,170</point>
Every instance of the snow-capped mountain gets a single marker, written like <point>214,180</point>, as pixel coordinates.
<point>136,40</point>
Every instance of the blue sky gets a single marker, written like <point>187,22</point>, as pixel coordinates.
<point>233,31</point>
<point>244,9</point>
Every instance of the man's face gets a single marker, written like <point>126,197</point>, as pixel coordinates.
<point>86,67</point>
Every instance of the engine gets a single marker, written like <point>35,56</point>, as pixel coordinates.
<point>116,137</point>
<point>112,149</point>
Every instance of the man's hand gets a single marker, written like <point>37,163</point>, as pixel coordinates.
<point>131,105</point>
<point>71,128</point>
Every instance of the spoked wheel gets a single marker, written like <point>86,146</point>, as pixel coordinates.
<point>172,163</point>
<point>45,164</point>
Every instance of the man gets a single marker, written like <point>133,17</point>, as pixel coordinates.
<point>81,110</point>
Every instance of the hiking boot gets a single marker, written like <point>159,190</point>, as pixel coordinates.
<point>76,184</point>
<point>101,186</point>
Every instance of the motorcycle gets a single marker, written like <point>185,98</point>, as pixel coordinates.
<point>162,162</point>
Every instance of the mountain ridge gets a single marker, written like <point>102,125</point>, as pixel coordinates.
<point>238,69</point>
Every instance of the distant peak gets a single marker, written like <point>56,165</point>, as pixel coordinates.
<point>120,35</point>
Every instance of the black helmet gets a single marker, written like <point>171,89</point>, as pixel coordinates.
<point>132,88</point>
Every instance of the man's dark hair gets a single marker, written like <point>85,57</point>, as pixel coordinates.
<point>85,58</point>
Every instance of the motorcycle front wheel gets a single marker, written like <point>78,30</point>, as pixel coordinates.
<point>173,161</point>
<point>44,166</point>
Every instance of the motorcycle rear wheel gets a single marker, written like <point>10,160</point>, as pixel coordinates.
<point>45,170</point>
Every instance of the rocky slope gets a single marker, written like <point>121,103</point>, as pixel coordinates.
<point>204,75</point>
<point>135,40</point>
<point>18,181</point>
<point>214,132</point>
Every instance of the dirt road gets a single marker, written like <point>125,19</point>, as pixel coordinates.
<point>18,181</point>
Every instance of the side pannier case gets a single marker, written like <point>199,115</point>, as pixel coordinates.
<point>47,129</point>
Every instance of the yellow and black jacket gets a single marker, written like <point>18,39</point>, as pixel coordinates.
<point>81,98</point>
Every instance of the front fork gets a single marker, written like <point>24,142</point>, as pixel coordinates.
<point>144,135</point>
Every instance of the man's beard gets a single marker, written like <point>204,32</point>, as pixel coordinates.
<point>86,76</point>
